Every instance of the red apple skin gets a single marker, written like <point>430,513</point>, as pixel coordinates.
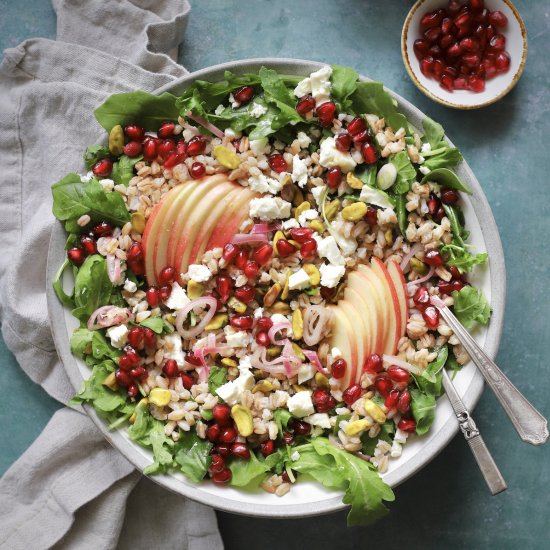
<point>401,287</point>
<point>357,335</point>
<point>341,338</point>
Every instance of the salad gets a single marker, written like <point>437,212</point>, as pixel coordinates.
<point>253,266</point>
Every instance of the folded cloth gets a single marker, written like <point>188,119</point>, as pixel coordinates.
<point>71,489</point>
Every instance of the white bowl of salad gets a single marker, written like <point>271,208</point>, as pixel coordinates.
<point>252,253</point>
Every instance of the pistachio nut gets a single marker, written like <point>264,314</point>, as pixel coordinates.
<point>138,222</point>
<point>194,290</point>
<point>218,321</point>
<point>226,157</point>
<point>236,304</point>
<point>229,362</point>
<point>110,382</point>
<point>322,381</point>
<point>160,397</point>
<point>374,411</point>
<point>116,140</point>
<point>354,212</point>
<point>280,307</point>
<point>298,351</point>
<point>284,293</point>
<point>243,419</point>
<point>358,426</point>
<point>265,386</point>
<point>317,225</point>
<point>271,294</point>
<point>313,272</point>
<point>353,181</point>
<point>331,209</point>
<point>301,208</point>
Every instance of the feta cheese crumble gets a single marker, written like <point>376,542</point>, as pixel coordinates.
<point>173,348</point>
<point>317,84</point>
<point>178,298</point>
<point>130,286</point>
<point>330,156</point>
<point>317,192</point>
<point>263,184</point>
<point>269,208</point>
<point>299,171</point>
<point>300,404</point>
<point>118,336</point>
<point>257,110</point>
<point>298,280</point>
<point>199,273</point>
<point>307,215</point>
<point>331,275</point>
<point>327,248</point>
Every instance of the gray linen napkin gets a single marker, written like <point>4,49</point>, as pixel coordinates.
<point>71,489</point>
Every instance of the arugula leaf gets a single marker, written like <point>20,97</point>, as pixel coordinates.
<point>138,107</point>
<point>423,410</point>
<point>57,284</point>
<point>471,306</point>
<point>216,378</point>
<point>365,489</point>
<point>275,461</point>
<point>459,257</point>
<point>123,170</point>
<point>246,472</point>
<point>72,198</point>
<point>156,324</point>
<point>401,212</point>
<point>92,342</point>
<point>92,287</point>
<point>139,429</point>
<point>95,153</point>
<point>453,214</point>
<point>430,380</point>
<point>406,174</point>
<point>320,467</point>
<point>442,157</point>
<point>446,178</point>
<point>433,132</point>
<point>162,449</point>
<point>281,417</point>
<point>344,84</point>
<point>193,455</point>
<point>387,433</point>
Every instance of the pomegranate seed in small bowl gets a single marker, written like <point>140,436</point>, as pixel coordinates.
<point>464,55</point>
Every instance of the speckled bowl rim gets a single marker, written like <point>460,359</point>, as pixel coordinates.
<point>424,90</point>
<point>331,503</point>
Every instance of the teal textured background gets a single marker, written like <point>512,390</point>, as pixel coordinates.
<point>446,505</point>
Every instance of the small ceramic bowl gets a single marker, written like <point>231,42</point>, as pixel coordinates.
<point>495,88</point>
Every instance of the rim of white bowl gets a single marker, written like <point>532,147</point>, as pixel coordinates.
<point>332,503</point>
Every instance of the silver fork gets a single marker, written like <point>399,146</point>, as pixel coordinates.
<point>531,426</point>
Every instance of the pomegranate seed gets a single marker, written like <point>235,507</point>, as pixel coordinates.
<point>166,130</point>
<point>475,5</point>
<point>217,464</point>
<point>277,163</point>
<point>305,105</point>
<point>421,298</point>
<point>432,34</point>
<point>174,159</point>
<point>328,293</point>
<point>463,20</point>
<point>153,296</point>
<point>433,204</point>
<point>167,275</point>
<point>391,400</point>
<point>447,26</point>
<point>460,83</point>
<point>222,449</point>
<point>334,177</point>
<point>490,68</point>
<point>426,65</point>
<point>455,272</point>
<point>284,248</point>
<point>241,259</point>
<point>497,43</point>
<point>222,477</point>
<point>398,374</point>
<point>446,40</point>
<point>134,132</point>
<point>369,153</point>
<point>454,7</point>
<point>213,433</point>
<point>323,401</point>
<point>132,149</point>
<point>490,31</point>
<point>166,148</point>
<point>187,380</point>
<point>457,285</point>
<point>251,269</point>
<point>300,427</point>
<point>229,252</point>
<point>435,51</point>
<point>502,62</point>
<point>471,59</point>
<point>339,368</point>
<point>137,264</point>
<point>228,434</point>
<point>263,339</point>
<point>132,390</point>
<point>181,147</point>
<point>326,113</point>
<point>135,252</point>
<point>301,234</point>
<point>139,373</point>
<point>420,47</point>
<point>449,196</point>
<point>454,50</point>
<point>470,44</point>
<point>476,84</point>
<point>447,82</point>
<point>102,168</point>
<point>431,19</point>
<point>498,19</point>
<point>433,257</point>
<point>149,337</point>
<point>371,216</point>
<point>263,254</point>
<point>244,95</point>
<point>102,229</point>
<point>383,386</point>
<point>150,149</point>
<point>135,337</point>
<point>343,142</point>
<point>242,322</point>
<point>198,169</point>
<point>267,448</point>
<point>438,68</point>
<point>404,402</point>
<point>286,478</point>
<point>361,137</point>
<point>170,368</point>
<point>407,425</point>
<point>224,285</point>
<point>431,316</point>
<point>308,249</point>
<point>445,287</point>
<point>245,293</point>
<point>373,363</point>
<point>356,125</point>
<point>130,359</point>
<point>352,394</point>
<point>240,450</point>
<point>122,378</point>
<point>288,438</point>
<point>76,256</point>
<point>222,414</point>
<point>196,146</point>
<point>264,323</point>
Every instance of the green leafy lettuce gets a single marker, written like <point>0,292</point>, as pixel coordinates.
<point>123,169</point>
<point>193,455</point>
<point>95,153</point>
<point>471,307</point>
<point>344,84</point>
<point>216,377</point>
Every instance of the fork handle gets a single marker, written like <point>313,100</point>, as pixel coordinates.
<point>531,426</point>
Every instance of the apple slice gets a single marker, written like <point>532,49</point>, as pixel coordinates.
<point>341,338</point>
<point>390,293</point>
<point>402,294</point>
<point>357,335</point>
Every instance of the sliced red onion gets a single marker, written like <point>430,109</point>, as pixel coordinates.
<point>393,360</point>
<point>423,279</point>
<point>191,306</point>
<point>108,316</point>
<point>315,361</point>
<point>407,258</point>
<point>265,227</point>
<point>249,238</point>
<point>277,327</point>
<point>315,324</point>
<point>205,124</point>
<point>113,268</point>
